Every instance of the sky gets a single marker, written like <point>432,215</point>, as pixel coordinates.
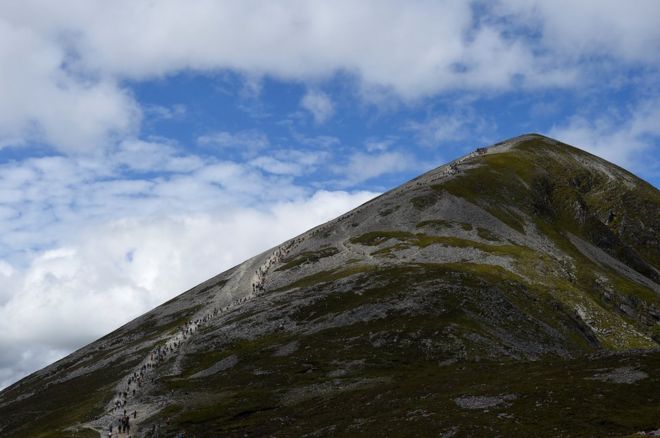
<point>146,146</point>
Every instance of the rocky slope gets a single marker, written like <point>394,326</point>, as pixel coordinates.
<point>515,291</point>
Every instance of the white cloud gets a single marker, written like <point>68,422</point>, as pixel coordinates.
<point>173,112</point>
<point>290,162</point>
<point>377,145</point>
<point>247,142</point>
<point>628,31</point>
<point>41,100</point>
<point>278,167</point>
<point>319,105</point>
<point>62,66</point>
<point>627,137</point>
<point>442,128</point>
<point>61,291</point>
<point>147,156</point>
<point>89,238</point>
<point>115,271</point>
<point>44,200</point>
<point>363,167</point>
<point>413,50</point>
<point>439,129</point>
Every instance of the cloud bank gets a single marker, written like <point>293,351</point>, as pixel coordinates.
<point>72,56</point>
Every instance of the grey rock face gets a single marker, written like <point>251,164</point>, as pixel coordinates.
<point>625,375</point>
<point>484,402</point>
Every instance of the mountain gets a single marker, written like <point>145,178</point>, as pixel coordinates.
<point>512,292</point>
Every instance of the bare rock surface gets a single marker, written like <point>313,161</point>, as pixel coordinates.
<point>484,402</point>
<point>627,375</point>
<point>222,365</point>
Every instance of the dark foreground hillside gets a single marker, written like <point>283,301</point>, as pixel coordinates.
<point>512,292</point>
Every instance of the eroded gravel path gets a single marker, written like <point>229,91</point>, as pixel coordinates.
<point>132,400</point>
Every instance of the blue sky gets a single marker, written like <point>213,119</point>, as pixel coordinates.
<point>146,146</point>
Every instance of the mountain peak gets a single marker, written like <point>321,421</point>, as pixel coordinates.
<point>471,287</point>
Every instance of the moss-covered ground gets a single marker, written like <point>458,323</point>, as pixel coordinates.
<point>399,374</point>
<point>413,396</point>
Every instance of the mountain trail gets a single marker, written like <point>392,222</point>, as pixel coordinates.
<point>128,409</point>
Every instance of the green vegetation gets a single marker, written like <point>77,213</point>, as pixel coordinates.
<point>435,224</point>
<point>487,235</point>
<point>439,224</point>
<point>419,240</point>
<point>550,400</point>
<point>308,257</point>
<point>62,405</point>
<point>327,276</point>
<point>424,201</point>
<point>611,330</point>
<point>465,306</point>
<point>388,211</point>
<point>377,237</point>
<point>465,226</point>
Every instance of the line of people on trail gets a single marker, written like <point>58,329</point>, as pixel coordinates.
<point>162,352</point>
<point>138,378</point>
<point>276,257</point>
<point>123,424</point>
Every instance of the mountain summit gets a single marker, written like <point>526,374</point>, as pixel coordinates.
<point>514,291</point>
